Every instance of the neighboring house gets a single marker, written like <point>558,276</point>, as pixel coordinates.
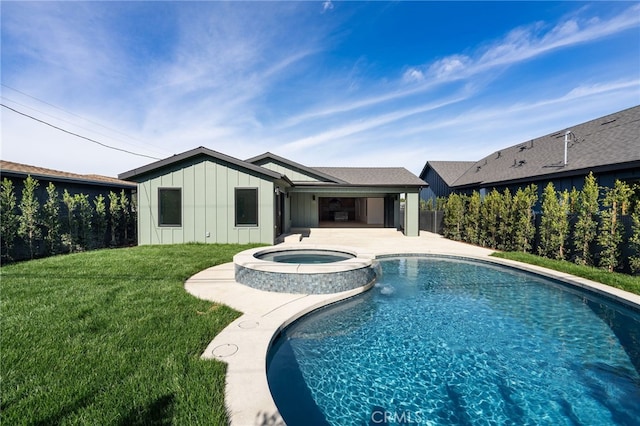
<point>91,185</point>
<point>608,146</point>
<point>203,195</point>
<point>74,183</point>
<point>440,175</point>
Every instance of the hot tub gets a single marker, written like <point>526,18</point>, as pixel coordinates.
<point>304,269</point>
<point>304,256</point>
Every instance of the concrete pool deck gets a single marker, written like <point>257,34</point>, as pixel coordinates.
<point>243,345</point>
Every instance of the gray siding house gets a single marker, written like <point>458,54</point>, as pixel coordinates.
<point>205,196</point>
<point>441,175</point>
<point>608,146</point>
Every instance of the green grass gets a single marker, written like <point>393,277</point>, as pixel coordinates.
<point>112,337</point>
<point>614,279</point>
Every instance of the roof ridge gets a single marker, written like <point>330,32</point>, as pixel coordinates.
<point>28,169</point>
<point>307,169</point>
<point>201,150</point>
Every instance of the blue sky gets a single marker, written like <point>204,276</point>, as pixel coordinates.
<point>321,83</point>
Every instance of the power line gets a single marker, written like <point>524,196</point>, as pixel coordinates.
<point>67,121</point>
<point>71,113</point>
<point>77,135</point>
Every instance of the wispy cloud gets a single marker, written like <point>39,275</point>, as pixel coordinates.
<point>525,43</point>
<point>373,122</point>
<point>221,75</point>
<point>517,112</point>
<point>520,44</point>
<point>206,77</point>
<point>57,37</point>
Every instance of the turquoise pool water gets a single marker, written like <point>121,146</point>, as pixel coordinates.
<point>442,341</point>
<point>306,256</point>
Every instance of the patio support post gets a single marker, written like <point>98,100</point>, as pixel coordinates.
<point>412,214</point>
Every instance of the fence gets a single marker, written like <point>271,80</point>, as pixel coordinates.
<point>432,221</point>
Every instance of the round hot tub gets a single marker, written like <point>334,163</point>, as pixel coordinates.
<point>304,256</point>
<point>304,270</point>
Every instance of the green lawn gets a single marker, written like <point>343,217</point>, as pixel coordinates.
<point>111,337</point>
<point>614,279</point>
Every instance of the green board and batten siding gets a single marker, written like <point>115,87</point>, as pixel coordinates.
<point>293,174</point>
<point>302,208</point>
<point>208,204</point>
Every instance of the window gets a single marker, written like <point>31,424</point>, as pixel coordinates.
<point>246,206</point>
<point>169,207</point>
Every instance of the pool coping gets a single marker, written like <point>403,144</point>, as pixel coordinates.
<point>361,259</point>
<point>244,343</point>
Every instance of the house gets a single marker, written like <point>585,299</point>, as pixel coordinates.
<point>91,185</point>
<point>608,146</point>
<point>206,196</point>
<point>441,176</point>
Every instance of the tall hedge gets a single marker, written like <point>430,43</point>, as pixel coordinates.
<point>29,221</point>
<point>523,226</point>
<point>453,220</point>
<point>616,203</point>
<point>491,212</point>
<point>472,219</point>
<point>9,218</point>
<point>51,220</point>
<point>585,228</point>
<point>554,226</point>
<point>69,223</point>
<point>634,240</point>
<point>507,222</point>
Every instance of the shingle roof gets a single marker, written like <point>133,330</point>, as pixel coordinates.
<point>609,142</point>
<point>268,156</point>
<point>449,171</point>
<point>377,176</point>
<point>18,169</point>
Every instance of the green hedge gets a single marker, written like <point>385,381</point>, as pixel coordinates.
<point>63,223</point>
<point>593,227</point>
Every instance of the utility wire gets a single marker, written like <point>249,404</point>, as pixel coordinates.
<point>77,135</point>
<point>67,121</point>
<point>70,113</point>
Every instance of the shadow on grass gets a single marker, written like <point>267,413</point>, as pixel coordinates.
<point>159,412</point>
<point>66,411</point>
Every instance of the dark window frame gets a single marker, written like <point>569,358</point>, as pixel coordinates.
<point>253,224</point>
<point>161,222</point>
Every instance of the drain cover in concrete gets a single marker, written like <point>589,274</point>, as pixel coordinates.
<point>223,351</point>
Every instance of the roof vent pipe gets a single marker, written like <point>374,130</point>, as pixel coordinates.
<point>566,144</point>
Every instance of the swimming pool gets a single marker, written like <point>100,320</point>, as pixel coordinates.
<point>448,341</point>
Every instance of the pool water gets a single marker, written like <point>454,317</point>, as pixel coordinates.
<point>306,256</point>
<point>444,342</point>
